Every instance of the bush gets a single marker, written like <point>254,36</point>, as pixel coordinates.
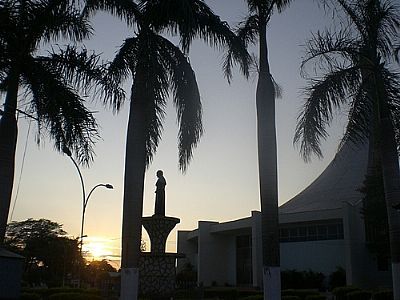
<point>359,295</point>
<point>316,297</point>
<point>74,296</point>
<point>337,278</point>
<point>226,294</point>
<point>254,297</point>
<point>45,293</point>
<point>292,279</point>
<point>341,292</point>
<point>382,295</point>
<point>248,293</point>
<point>29,296</point>
<point>300,293</point>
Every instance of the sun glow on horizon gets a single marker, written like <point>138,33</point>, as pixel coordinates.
<point>98,248</point>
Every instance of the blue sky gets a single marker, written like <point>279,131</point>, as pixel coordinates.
<point>222,181</point>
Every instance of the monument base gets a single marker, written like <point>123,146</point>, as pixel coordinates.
<point>157,274</point>
<point>157,268</point>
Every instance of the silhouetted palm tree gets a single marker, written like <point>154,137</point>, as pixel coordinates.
<point>160,69</point>
<point>254,29</point>
<point>355,66</point>
<point>47,85</point>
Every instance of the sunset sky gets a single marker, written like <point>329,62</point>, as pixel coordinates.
<point>221,183</point>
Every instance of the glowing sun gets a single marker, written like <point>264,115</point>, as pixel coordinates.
<point>97,249</point>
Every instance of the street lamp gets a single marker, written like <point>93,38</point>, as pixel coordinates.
<point>85,199</point>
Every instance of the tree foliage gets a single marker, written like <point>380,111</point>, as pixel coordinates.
<point>55,84</point>
<point>354,68</point>
<point>50,256</point>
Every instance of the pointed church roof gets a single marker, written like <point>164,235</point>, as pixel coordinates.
<point>338,183</point>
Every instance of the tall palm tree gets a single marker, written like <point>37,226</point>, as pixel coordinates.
<point>160,69</point>
<point>355,66</point>
<point>50,83</point>
<point>251,30</point>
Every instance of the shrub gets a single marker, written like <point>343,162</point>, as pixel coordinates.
<point>382,295</point>
<point>254,297</point>
<point>226,294</point>
<point>341,292</point>
<point>300,293</point>
<point>359,295</point>
<point>316,297</point>
<point>29,296</point>
<point>74,296</point>
<point>337,278</point>
<point>292,279</point>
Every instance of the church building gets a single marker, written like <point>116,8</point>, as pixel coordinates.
<point>321,228</point>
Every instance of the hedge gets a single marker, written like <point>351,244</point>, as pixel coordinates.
<point>290,298</point>
<point>382,295</point>
<point>74,296</point>
<point>46,293</point>
<point>359,295</point>
<point>316,297</point>
<point>254,297</point>
<point>30,296</point>
<point>341,292</point>
<point>301,294</point>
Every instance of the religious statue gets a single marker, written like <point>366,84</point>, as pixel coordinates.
<point>159,209</point>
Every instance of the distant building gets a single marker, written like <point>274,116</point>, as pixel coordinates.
<point>320,229</point>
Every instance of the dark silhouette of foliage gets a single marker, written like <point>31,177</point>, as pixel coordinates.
<point>337,278</point>
<point>51,88</point>
<point>49,255</point>
<point>160,71</point>
<point>355,69</point>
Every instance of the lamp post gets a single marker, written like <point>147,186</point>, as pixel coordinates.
<point>85,199</point>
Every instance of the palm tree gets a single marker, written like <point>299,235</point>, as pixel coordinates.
<point>160,69</point>
<point>252,29</point>
<point>355,64</point>
<point>51,83</point>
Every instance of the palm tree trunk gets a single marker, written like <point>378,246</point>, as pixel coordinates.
<point>8,144</point>
<point>391,181</point>
<point>135,165</point>
<point>268,174</point>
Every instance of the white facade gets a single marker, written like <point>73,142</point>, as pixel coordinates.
<point>320,229</point>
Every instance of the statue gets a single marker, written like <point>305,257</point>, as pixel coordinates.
<point>159,209</point>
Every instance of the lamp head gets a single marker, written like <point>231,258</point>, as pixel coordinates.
<point>109,186</point>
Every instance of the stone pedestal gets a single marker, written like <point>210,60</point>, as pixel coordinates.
<point>157,268</point>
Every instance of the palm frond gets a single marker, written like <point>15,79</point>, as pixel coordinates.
<point>126,10</point>
<point>397,52</point>
<point>194,19</point>
<point>186,100</point>
<point>354,13</point>
<point>282,4</point>
<point>360,116</point>
<point>84,72</point>
<point>151,88</point>
<point>324,96</point>
<point>55,19</point>
<point>386,19</point>
<point>124,62</point>
<point>248,29</point>
<point>328,51</point>
<point>61,112</point>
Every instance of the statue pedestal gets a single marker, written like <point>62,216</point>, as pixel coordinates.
<point>157,268</point>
